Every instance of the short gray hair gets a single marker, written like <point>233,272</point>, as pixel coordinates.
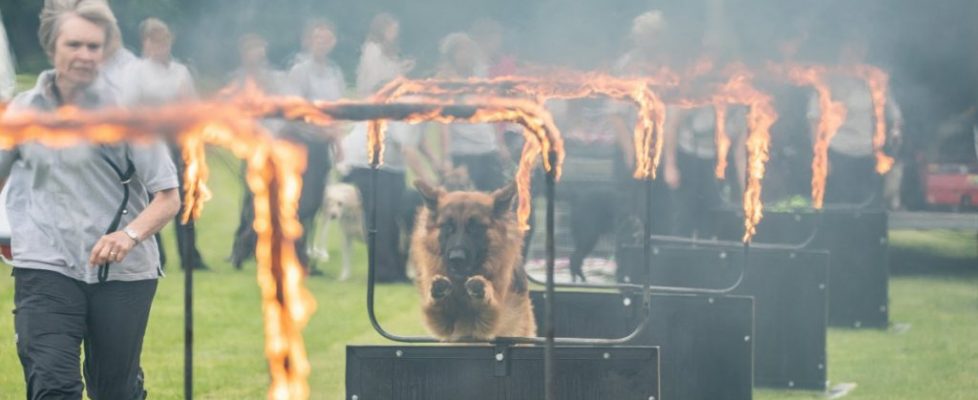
<point>648,23</point>
<point>97,12</point>
<point>453,41</point>
<point>153,27</point>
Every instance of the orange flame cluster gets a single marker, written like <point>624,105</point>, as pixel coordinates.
<point>738,89</point>
<point>273,174</point>
<point>832,114</point>
<point>878,81</point>
<point>722,139</point>
<point>542,135</point>
<point>760,116</point>
<point>562,85</point>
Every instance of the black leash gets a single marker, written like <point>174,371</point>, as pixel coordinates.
<point>124,179</point>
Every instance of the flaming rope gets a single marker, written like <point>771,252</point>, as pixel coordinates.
<point>722,139</point>
<point>760,116</point>
<point>559,85</point>
<point>832,114</point>
<point>739,90</point>
<point>877,80</point>
<point>542,135</point>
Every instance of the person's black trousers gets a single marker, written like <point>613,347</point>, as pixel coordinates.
<point>245,237</point>
<point>390,191</point>
<point>697,195</point>
<point>314,178</point>
<point>55,316</point>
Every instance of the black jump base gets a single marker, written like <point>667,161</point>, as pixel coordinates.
<point>705,341</point>
<point>790,290</point>
<point>859,267</point>
<point>488,372</point>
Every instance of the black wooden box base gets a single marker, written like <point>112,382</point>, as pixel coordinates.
<point>790,290</point>
<point>859,267</point>
<point>706,341</point>
<point>487,372</point>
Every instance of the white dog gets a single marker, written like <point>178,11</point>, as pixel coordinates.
<point>342,204</point>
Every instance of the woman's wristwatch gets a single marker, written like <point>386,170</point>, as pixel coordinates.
<point>132,234</point>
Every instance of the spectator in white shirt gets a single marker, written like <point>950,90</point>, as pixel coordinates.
<point>380,61</point>
<point>316,77</point>
<point>158,79</point>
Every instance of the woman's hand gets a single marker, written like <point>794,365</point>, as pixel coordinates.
<point>111,248</point>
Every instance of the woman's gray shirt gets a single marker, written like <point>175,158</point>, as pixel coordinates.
<point>60,201</point>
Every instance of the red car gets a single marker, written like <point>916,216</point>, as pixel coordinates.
<point>952,185</point>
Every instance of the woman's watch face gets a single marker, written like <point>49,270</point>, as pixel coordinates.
<point>132,234</point>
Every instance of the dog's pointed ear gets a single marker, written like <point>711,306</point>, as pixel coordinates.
<point>429,193</point>
<point>503,199</point>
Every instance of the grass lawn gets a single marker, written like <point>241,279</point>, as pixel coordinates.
<point>934,289</point>
<point>25,81</point>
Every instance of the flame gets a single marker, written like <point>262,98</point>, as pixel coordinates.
<point>737,90</point>
<point>376,131</point>
<point>722,140</point>
<point>832,114</point>
<point>563,84</point>
<point>538,122</point>
<point>542,136</point>
<point>287,305</point>
<point>760,116</point>
<point>877,80</point>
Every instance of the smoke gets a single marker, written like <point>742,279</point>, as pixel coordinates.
<point>928,48</point>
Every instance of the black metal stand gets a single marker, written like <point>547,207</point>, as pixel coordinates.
<point>550,389</point>
<point>188,316</point>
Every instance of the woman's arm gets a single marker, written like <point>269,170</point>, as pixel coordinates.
<point>115,246</point>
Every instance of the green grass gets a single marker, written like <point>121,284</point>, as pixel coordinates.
<point>935,289</point>
<point>25,81</point>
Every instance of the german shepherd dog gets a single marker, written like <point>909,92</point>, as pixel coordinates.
<point>467,251</point>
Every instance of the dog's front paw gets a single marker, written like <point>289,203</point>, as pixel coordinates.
<point>476,287</point>
<point>441,287</point>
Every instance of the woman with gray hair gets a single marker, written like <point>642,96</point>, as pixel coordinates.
<point>84,277</point>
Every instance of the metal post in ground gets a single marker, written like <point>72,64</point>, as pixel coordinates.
<point>548,350</point>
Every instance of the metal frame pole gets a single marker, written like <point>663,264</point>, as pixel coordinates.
<point>188,316</point>
<point>549,328</point>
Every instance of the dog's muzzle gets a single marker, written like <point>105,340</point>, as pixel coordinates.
<point>459,262</point>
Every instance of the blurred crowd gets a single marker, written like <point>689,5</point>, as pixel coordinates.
<point>598,131</point>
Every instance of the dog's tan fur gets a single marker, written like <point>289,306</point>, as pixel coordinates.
<point>491,303</point>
